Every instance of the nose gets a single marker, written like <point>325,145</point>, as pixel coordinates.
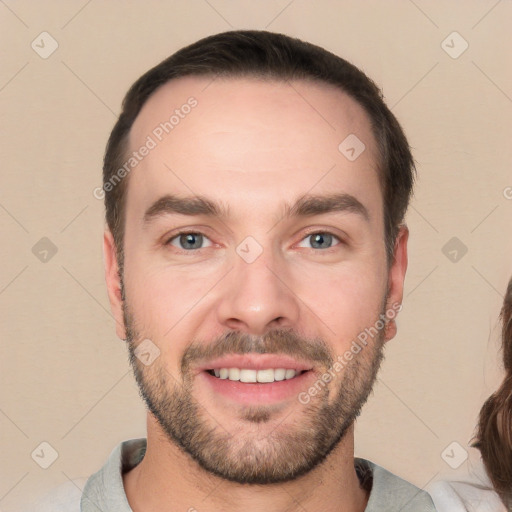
<point>258,297</point>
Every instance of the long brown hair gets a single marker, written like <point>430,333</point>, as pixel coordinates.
<point>494,430</point>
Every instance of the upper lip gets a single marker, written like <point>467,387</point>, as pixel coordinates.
<point>255,362</point>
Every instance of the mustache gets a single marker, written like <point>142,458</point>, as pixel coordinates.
<point>278,341</point>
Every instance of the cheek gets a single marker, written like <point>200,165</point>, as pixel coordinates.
<point>166,301</point>
<point>345,301</point>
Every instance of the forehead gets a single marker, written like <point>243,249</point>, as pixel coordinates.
<point>230,137</point>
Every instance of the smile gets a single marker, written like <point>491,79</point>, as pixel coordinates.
<point>249,375</point>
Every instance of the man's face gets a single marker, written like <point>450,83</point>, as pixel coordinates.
<point>269,285</point>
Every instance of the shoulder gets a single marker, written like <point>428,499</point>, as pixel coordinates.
<point>467,490</point>
<point>465,496</point>
<point>64,498</point>
<point>389,492</point>
<point>105,488</point>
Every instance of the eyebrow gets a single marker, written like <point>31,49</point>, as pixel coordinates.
<point>305,206</point>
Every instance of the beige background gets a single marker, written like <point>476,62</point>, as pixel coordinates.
<point>64,374</point>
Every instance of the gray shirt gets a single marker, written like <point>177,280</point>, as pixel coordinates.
<point>104,490</point>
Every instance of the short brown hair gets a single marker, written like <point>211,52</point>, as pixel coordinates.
<point>262,54</point>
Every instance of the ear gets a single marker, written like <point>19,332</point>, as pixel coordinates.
<point>396,278</point>
<point>113,280</point>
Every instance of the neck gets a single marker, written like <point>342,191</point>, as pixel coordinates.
<point>167,475</point>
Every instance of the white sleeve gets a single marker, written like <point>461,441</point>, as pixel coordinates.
<point>464,497</point>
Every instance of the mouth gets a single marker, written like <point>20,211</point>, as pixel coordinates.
<point>253,379</point>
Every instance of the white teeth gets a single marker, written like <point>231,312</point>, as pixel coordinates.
<point>251,376</point>
<point>289,374</point>
<point>265,376</point>
<point>234,374</point>
<point>248,375</point>
<point>279,374</point>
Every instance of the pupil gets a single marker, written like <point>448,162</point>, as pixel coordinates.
<point>319,239</point>
<point>193,239</point>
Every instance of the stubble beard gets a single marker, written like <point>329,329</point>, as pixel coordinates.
<point>257,449</point>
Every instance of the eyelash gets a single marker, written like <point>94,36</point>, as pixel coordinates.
<point>193,251</point>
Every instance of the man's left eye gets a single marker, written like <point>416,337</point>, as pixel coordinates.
<point>189,241</point>
<point>320,240</point>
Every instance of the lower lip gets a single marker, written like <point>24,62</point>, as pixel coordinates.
<point>259,393</point>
